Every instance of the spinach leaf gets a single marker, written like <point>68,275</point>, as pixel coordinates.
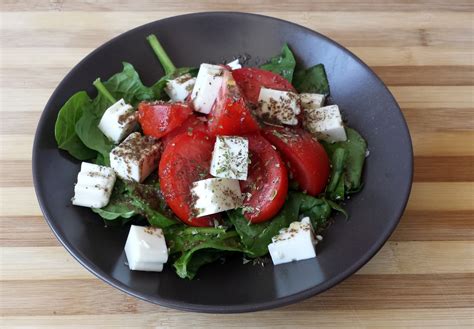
<point>256,237</point>
<point>119,204</point>
<point>149,202</point>
<point>282,64</point>
<point>199,259</point>
<point>335,188</point>
<point>193,246</point>
<point>64,130</point>
<point>127,85</point>
<point>355,147</point>
<point>311,80</point>
<point>87,128</point>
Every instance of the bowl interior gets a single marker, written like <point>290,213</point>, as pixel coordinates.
<point>234,287</point>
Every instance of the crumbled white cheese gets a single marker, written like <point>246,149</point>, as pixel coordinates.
<point>297,242</point>
<point>94,186</point>
<point>136,157</point>
<point>325,123</point>
<point>230,157</point>
<point>277,106</point>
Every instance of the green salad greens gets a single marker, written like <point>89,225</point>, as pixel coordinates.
<point>77,132</point>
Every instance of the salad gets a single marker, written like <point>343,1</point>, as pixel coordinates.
<point>214,161</point>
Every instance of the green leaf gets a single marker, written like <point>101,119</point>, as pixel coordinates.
<point>127,85</point>
<point>64,130</point>
<point>189,243</point>
<point>257,237</point>
<point>87,128</point>
<point>282,64</point>
<point>149,202</point>
<point>311,80</point>
<point>335,188</point>
<point>198,260</point>
<point>119,204</point>
<point>355,147</point>
<point>337,207</point>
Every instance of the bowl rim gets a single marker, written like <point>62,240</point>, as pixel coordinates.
<point>206,308</point>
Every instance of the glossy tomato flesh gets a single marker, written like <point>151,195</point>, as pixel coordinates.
<point>230,114</point>
<point>306,158</point>
<point>192,124</point>
<point>266,187</point>
<point>158,118</point>
<point>185,160</point>
<point>250,80</point>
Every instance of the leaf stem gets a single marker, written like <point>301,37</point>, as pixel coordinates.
<point>161,54</point>
<point>101,89</point>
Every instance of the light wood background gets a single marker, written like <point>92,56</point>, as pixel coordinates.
<point>423,277</point>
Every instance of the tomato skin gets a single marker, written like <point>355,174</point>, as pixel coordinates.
<point>192,124</point>
<point>307,159</point>
<point>230,114</point>
<point>184,161</point>
<point>250,80</point>
<point>158,118</point>
<point>266,186</point>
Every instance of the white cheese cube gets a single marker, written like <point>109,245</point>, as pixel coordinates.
<point>136,157</point>
<point>294,243</point>
<point>234,65</point>
<point>206,88</point>
<point>214,195</point>
<point>325,123</point>
<point>118,121</point>
<point>277,106</point>
<point>311,101</point>
<point>94,186</point>
<point>146,249</point>
<point>230,157</point>
<point>178,89</point>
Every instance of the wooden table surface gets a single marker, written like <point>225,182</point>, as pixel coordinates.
<point>423,277</point>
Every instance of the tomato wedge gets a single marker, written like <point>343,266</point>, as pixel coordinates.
<point>251,79</point>
<point>158,118</point>
<point>266,187</point>
<point>192,124</point>
<point>230,114</point>
<point>306,158</point>
<point>184,161</point>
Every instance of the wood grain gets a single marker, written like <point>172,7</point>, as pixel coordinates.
<point>422,278</point>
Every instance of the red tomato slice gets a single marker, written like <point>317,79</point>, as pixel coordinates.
<point>230,114</point>
<point>158,119</point>
<point>184,161</point>
<point>266,187</point>
<point>192,124</point>
<point>306,158</point>
<point>251,79</point>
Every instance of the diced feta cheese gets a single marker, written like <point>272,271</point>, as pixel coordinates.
<point>178,89</point>
<point>325,123</point>
<point>294,243</point>
<point>277,106</point>
<point>146,249</point>
<point>311,101</point>
<point>118,121</point>
<point>234,65</point>
<point>230,157</point>
<point>136,157</point>
<point>94,186</point>
<point>206,88</point>
<point>214,195</point>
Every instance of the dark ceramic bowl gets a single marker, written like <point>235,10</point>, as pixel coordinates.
<point>234,287</point>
